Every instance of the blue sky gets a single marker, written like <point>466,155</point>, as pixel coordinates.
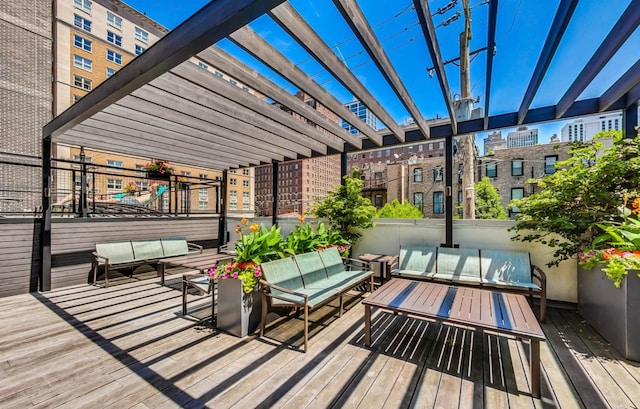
<point>521,31</point>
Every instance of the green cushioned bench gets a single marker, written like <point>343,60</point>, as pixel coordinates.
<point>309,281</point>
<point>505,270</point>
<point>129,253</point>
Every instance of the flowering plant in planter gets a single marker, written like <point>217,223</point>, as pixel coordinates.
<point>618,248</point>
<point>130,188</point>
<point>249,272</point>
<point>160,166</point>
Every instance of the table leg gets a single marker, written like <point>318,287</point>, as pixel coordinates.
<point>535,368</point>
<point>160,269</point>
<point>367,325</point>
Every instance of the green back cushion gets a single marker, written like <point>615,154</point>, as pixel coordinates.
<point>175,246</point>
<point>147,249</point>
<point>332,261</point>
<point>116,252</point>
<point>311,267</point>
<point>284,273</point>
<point>418,258</point>
<point>459,263</point>
<point>503,265</point>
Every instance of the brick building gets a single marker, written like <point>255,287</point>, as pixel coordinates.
<point>25,92</point>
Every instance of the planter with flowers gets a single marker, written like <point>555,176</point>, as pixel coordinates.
<point>159,170</point>
<point>589,209</point>
<point>239,303</point>
<point>131,188</point>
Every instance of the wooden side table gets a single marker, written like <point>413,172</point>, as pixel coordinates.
<point>384,261</point>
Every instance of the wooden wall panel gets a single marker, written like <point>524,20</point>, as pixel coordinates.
<point>19,254</point>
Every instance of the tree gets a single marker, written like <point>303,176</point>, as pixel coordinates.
<point>346,209</point>
<point>586,189</point>
<point>488,204</point>
<point>395,210</point>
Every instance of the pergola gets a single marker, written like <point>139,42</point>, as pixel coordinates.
<point>163,106</point>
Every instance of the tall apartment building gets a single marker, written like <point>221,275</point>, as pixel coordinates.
<point>363,113</point>
<point>25,95</point>
<point>522,136</point>
<point>493,142</point>
<point>300,182</point>
<point>94,39</point>
<point>584,129</point>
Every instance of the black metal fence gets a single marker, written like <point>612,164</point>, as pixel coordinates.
<point>20,184</point>
<point>85,189</point>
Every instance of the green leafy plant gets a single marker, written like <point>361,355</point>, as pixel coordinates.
<point>160,166</point>
<point>258,244</point>
<point>395,210</point>
<point>578,207</point>
<point>488,202</point>
<point>346,209</point>
<point>130,188</point>
<point>305,238</point>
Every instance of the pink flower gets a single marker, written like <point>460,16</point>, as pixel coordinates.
<point>235,275</point>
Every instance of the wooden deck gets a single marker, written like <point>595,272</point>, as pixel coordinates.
<point>128,346</point>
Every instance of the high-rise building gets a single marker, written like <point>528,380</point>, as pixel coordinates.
<point>494,142</point>
<point>522,136</point>
<point>300,182</point>
<point>583,129</point>
<point>361,112</point>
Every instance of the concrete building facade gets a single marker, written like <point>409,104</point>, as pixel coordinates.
<point>522,136</point>
<point>584,129</point>
<point>493,142</point>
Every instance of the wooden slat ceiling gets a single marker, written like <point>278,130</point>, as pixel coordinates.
<point>163,106</point>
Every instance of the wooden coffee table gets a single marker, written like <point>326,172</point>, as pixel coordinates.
<point>503,313</point>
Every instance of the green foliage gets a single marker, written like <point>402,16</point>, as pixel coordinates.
<point>586,190</point>
<point>304,238</point>
<point>488,203</point>
<point>395,210</point>
<point>260,244</point>
<point>346,209</point>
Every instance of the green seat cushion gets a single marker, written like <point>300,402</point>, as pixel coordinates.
<point>507,268</point>
<point>284,273</point>
<point>174,246</point>
<point>117,252</point>
<point>332,261</point>
<point>346,279</point>
<point>147,249</point>
<point>316,296</point>
<point>311,268</point>
<point>456,264</point>
<point>417,260</point>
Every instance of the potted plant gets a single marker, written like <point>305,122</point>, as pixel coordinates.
<point>305,238</point>
<point>131,188</point>
<point>239,303</point>
<point>159,169</point>
<point>588,209</point>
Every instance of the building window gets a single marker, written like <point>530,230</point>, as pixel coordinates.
<point>114,185</point>
<point>139,49</point>
<point>516,167</point>
<point>492,170</point>
<point>82,23</point>
<point>417,175</point>
<point>550,164</point>
<point>202,65</point>
<point>114,38</point>
<point>516,193</point>
<point>110,72</point>
<point>82,82</point>
<point>418,200</point>
<point>232,82</point>
<point>245,172</point>
<point>84,5</point>
<point>113,20</point>
<point>245,183</point>
<point>76,98</point>
<point>441,145</point>
<point>377,201</point>
<point>217,73</point>
<point>438,174</point>
<point>114,163</point>
<point>233,181</point>
<point>82,43</point>
<point>438,202</point>
<point>420,148</point>
<point>379,154</point>
<point>114,57</point>
<point>82,62</point>
<point>142,35</point>
<point>430,146</point>
<point>460,172</point>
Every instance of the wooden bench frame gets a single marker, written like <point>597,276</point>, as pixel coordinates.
<point>150,250</point>
<point>472,272</point>
<point>299,297</point>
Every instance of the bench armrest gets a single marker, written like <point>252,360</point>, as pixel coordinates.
<point>364,264</point>
<point>266,284</point>
<point>193,246</point>
<point>97,257</point>
<point>195,275</point>
<point>537,272</point>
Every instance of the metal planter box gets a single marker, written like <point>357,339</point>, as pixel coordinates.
<point>613,312</point>
<point>238,312</point>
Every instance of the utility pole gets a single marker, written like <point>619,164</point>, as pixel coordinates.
<point>465,107</point>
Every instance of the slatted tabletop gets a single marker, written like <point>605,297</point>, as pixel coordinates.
<point>200,261</point>
<point>503,313</point>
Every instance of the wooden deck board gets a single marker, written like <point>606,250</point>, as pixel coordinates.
<point>127,346</point>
